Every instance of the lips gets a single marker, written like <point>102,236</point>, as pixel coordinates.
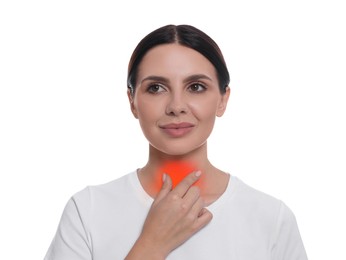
<point>176,126</point>
<point>177,130</point>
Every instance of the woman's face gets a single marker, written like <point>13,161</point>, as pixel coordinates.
<point>177,98</point>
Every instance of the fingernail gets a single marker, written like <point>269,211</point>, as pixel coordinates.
<point>198,173</point>
<point>164,177</point>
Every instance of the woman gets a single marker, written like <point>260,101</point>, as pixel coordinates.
<point>179,205</point>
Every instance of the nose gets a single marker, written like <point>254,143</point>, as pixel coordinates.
<point>177,105</point>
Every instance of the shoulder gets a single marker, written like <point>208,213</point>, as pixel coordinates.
<point>107,187</point>
<point>270,217</point>
<point>92,195</point>
<point>260,204</point>
<point>253,196</point>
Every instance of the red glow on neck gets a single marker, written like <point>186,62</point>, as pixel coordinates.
<point>178,170</point>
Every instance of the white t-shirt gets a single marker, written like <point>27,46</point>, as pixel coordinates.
<point>103,222</point>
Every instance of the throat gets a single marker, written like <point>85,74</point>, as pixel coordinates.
<point>212,183</point>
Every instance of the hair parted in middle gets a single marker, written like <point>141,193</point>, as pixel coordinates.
<point>185,35</point>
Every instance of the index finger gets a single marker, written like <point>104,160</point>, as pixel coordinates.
<point>186,183</point>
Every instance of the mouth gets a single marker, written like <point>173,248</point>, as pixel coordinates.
<point>177,130</point>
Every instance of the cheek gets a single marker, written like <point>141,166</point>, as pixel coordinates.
<point>145,109</point>
<point>149,113</point>
<point>204,109</point>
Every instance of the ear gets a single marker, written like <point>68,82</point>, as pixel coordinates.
<point>132,105</point>
<point>223,102</point>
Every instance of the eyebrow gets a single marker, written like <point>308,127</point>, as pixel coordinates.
<point>194,77</point>
<point>197,77</point>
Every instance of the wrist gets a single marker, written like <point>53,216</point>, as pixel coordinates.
<point>145,249</point>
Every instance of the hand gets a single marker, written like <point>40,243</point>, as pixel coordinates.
<point>174,216</point>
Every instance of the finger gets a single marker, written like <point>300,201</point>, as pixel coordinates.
<point>197,208</point>
<point>166,187</point>
<point>186,183</point>
<point>204,217</point>
<point>190,197</point>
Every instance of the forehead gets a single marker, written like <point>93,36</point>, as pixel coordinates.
<point>174,60</point>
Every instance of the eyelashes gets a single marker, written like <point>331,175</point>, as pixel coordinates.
<point>155,88</point>
<point>195,87</point>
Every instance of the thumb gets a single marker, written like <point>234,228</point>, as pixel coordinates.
<point>166,187</point>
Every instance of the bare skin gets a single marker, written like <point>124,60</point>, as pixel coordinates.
<point>176,84</point>
<point>216,180</point>
<point>173,218</point>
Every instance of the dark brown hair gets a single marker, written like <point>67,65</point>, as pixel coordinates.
<point>185,35</point>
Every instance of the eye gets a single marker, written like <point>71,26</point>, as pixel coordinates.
<point>155,88</point>
<point>197,87</point>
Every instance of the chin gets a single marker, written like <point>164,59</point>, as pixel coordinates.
<point>178,150</point>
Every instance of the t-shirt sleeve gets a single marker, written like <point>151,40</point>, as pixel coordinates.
<point>71,240</point>
<point>288,244</point>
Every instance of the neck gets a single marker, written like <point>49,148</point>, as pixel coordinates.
<point>213,182</point>
<point>198,159</point>
<point>176,166</point>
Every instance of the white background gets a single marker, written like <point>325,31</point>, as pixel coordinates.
<point>65,121</point>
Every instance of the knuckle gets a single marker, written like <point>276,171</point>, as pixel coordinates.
<point>209,216</point>
<point>190,217</point>
<point>174,196</point>
<point>184,207</point>
<point>207,213</point>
